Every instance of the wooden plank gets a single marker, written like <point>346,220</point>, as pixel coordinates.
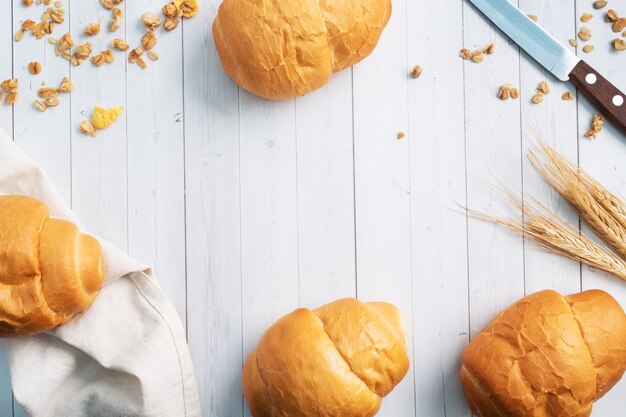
<point>269,222</point>
<point>493,151</point>
<point>603,158</point>
<point>156,185</point>
<point>326,193</point>
<point>6,124</point>
<point>213,220</point>
<point>382,187</point>
<point>99,165</point>
<point>555,121</point>
<point>49,147</point>
<point>439,232</point>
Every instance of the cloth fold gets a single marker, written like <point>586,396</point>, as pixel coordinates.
<point>125,356</point>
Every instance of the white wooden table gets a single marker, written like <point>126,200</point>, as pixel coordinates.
<point>249,209</point>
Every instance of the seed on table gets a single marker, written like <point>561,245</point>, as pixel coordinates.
<point>153,56</point>
<point>34,67</point>
<point>573,42</point>
<point>40,106</point>
<point>537,98</point>
<point>533,17</point>
<point>51,101</point>
<point>543,87</point>
<point>489,49</point>
<point>66,85</point>
<point>600,4</point>
<point>92,29</point>
<point>586,17</point>
<point>11,98</point>
<point>567,96</point>
<point>587,48</point>
<point>619,44</point>
<point>584,33</point>
<point>401,135</point>
<point>416,72</point>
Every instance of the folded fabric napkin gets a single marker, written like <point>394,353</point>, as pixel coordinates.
<point>125,356</point>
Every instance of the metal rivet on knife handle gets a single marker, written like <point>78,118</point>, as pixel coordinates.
<point>618,100</point>
<point>591,78</point>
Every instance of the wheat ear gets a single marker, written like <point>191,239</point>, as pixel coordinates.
<point>600,209</point>
<point>544,227</point>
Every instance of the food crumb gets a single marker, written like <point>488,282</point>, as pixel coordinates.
<point>596,127</point>
<point>401,135</point>
<point>573,42</point>
<point>533,17</point>
<point>588,48</point>
<point>567,96</point>
<point>416,72</point>
<point>586,17</point>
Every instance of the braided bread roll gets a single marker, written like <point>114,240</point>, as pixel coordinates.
<point>547,355</point>
<point>336,361</point>
<point>49,271</point>
<point>283,49</point>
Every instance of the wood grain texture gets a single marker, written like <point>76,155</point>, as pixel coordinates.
<point>493,152</point>
<point>213,220</point>
<point>156,177</point>
<point>249,209</point>
<point>438,229</point>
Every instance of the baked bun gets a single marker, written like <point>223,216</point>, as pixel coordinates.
<point>547,355</point>
<point>336,361</point>
<point>49,271</point>
<point>284,49</point>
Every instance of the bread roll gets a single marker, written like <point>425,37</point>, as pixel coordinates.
<point>49,271</point>
<point>283,49</point>
<point>547,355</point>
<point>336,361</point>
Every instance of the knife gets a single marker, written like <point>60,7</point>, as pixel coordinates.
<point>557,59</point>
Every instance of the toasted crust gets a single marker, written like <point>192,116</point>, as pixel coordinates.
<point>339,360</point>
<point>546,355</point>
<point>49,271</point>
<point>285,49</point>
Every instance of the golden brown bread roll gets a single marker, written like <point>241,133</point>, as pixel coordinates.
<point>546,356</point>
<point>336,361</point>
<point>283,49</point>
<point>49,271</point>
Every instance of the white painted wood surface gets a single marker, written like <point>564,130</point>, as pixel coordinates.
<point>249,209</point>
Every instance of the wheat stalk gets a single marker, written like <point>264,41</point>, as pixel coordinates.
<point>600,209</point>
<point>551,232</point>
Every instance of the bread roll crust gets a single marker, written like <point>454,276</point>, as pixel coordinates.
<point>279,50</point>
<point>546,355</point>
<point>49,271</point>
<point>339,360</point>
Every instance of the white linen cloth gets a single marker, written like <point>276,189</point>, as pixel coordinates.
<point>125,356</point>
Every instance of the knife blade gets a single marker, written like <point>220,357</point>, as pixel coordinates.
<point>557,59</point>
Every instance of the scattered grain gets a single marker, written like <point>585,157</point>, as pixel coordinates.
<point>92,29</point>
<point>34,67</point>
<point>416,72</point>
<point>596,127</point>
<point>150,21</point>
<point>584,33</point>
<point>600,4</point>
<point>586,17</point>
<point>567,96</point>
<point>588,48</point>
<point>40,106</point>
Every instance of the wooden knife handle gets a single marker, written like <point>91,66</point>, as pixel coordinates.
<point>607,98</point>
